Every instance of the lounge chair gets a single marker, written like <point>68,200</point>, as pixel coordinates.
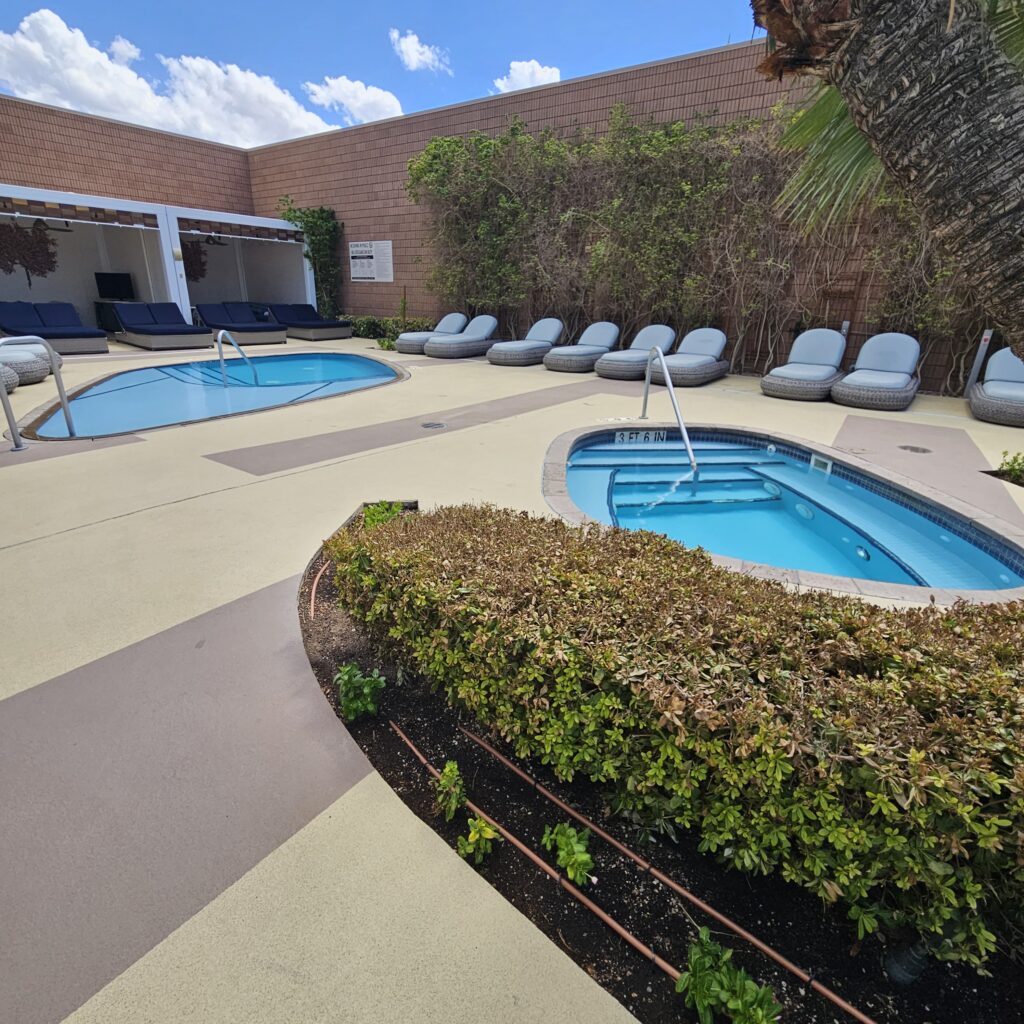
<point>239,319</point>
<point>698,359</point>
<point>56,322</point>
<point>473,340</point>
<point>1000,399</point>
<point>539,341</point>
<point>596,341</point>
<point>412,342</point>
<point>304,322</point>
<point>28,366</point>
<point>631,363</point>
<point>8,378</point>
<point>812,369</point>
<point>883,376</point>
<point>159,325</point>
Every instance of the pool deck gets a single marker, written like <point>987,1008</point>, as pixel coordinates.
<point>189,833</point>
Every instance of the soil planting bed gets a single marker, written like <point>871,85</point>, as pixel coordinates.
<point>792,921</point>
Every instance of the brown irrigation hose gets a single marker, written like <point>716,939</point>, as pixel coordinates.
<point>550,871</point>
<point>312,589</point>
<point>817,986</point>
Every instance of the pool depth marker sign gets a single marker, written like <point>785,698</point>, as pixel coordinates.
<point>371,261</point>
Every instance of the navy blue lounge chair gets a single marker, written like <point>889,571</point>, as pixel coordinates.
<point>240,320</point>
<point>159,325</point>
<point>56,322</point>
<point>303,321</point>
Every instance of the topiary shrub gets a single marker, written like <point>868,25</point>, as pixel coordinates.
<point>872,756</point>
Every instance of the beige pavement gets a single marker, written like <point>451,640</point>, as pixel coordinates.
<point>362,914</point>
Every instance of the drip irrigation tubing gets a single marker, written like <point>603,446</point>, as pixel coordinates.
<point>312,589</point>
<point>573,891</point>
<point>804,976</point>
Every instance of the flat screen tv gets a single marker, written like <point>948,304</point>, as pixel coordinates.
<point>115,287</point>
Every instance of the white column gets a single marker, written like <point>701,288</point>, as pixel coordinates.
<point>174,266</point>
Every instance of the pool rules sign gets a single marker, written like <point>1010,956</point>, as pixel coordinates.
<point>371,261</point>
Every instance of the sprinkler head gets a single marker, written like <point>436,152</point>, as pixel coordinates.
<point>905,964</point>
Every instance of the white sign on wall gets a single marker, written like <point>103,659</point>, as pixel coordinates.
<point>371,261</point>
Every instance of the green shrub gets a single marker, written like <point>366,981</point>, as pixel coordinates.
<point>381,512</point>
<point>1012,467</point>
<point>450,791</point>
<point>714,986</point>
<point>480,841</point>
<point>572,854</point>
<point>357,693</point>
<point>872,756</point>
<point>385,329</point>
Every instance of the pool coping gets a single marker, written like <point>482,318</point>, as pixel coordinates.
<point>32,420</point>
<point>556,493</point>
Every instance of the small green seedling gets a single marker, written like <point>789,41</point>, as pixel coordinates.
<point>571,846</point>
<point>450,791</point>
<point>480,841</point>
<point>718,989</point>
<point>381,512</point>
<point>357,693</point>
<point>1012,467</point>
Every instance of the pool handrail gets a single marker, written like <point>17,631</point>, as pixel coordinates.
<point>656,353</point>
<point>31,339</point>
<point>219,336</point>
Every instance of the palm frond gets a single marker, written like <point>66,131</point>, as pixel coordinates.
<point>1007,20</point>
<point>839,171</point>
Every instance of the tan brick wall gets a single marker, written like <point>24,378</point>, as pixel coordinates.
<point>45,147</point>
<point>360,172</point>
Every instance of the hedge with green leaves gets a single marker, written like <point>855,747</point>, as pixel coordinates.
<point>872,756</point>
<point>385,329</point>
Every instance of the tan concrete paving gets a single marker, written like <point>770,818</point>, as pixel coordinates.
<point>365,917</point>
<point>104,546</point>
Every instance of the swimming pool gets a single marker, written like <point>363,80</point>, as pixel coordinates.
<point>158,396</point>
<point>784,506</point>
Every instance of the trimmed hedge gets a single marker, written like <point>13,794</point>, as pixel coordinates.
<point>386,329</point>
<point>872,756</point>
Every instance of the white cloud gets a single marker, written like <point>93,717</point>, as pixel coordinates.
<point>123,51</point>
<point>47,61</point>
<point>417,56</point>
<point>356,101</point>
<point>524,74</point>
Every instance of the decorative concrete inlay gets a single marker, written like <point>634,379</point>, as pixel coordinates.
<point>259,460</point>
<point>140,786</point>
<point>954,464</point>
<point>556,493</point>
<point>37,450</point>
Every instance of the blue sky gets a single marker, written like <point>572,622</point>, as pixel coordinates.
<point>306,66</point>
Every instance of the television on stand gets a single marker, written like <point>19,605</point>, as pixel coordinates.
<point>115,287</point>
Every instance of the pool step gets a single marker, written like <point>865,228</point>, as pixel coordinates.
<point>705,475</point>
<point>626,461</point>
<point>679,501</point>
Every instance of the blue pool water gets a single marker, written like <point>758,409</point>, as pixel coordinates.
<point>752,501</point>
<point>186,392</point>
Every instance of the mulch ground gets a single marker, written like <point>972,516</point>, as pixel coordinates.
<point>818,939</point>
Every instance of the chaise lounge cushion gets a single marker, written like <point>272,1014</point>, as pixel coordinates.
<point>698,360</point>
<point>62,321</point>
<point>412,342</point>
<point>302,314</point>
<point>475,340</point>
<point>803,371</point>
<point>631,363</point>
<point>539,340</point>
<point>158,319</point>
<point>18,317</point>
<point>594,342</point>
<point>1011,391</point>
<point>236,316</point>
<point>1000,399</point>
<point>883,380</point>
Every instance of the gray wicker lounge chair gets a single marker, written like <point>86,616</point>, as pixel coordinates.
<point>883,376</point>
<point>8,378</point>
<point>539,341</point>
<point>30,368</point>
<point>1000,399</point>
<point>40,352</point>
<point>474,340</point>
<point>412,342</point>
<point>631,363</point>
<point>597,340</point>
<point>812,369</point>
<point>698,359</point>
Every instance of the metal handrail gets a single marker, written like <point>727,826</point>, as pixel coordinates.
<point>31,339</point>
<point>220,351</point>
<point>656,352</point>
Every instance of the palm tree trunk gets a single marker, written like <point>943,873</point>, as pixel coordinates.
<point>943,108</point>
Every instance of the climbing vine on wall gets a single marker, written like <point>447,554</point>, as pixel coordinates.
<point>678,223</point>
<point>322,233</point>
<point>33,249</point>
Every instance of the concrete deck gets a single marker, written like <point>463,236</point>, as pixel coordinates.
<point>189,834</point>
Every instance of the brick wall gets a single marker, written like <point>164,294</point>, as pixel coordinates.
<point>360,172</point>
<point>45,147</point>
